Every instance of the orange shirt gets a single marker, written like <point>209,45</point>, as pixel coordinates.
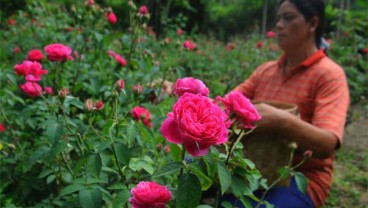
<point>319,88</point>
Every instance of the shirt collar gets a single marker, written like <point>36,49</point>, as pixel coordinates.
<point>307,62</point>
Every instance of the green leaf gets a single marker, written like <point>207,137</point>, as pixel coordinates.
<point>210,165</point>
<point>71,189</point>
<point>117,186</point>
<point>123,153</point>
<point>121,198</point>
<point>45,173</point>
<point>169,169</point>
<point>145,132</point>
<point>189,191</point>
<point>50,179</point>
<point>101,146</point>
<point>224,176</point>
<point>301,182</point>
<point>54,130</point>
<point>137,164</point>
<point>90,198</point>
<point>94,165</point>
<point>206,182</point>
<point>204,206</point>
<point>238,185</point>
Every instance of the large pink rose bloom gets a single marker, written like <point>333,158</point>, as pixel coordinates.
<point>29,67</point>
<point>245,112</point>
<point>58,52</point>
<point>197,123</point>
<point>32,89</point>
<point>191,85</point>
<point>149,195</point>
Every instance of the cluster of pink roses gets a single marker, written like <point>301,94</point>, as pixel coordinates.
<point>142,114</point>
<point>197,122</point>
<point>32,70</point>
<point>189,45</point>
<point>91,105</point>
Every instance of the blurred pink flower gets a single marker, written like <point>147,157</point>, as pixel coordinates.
<point>137,88</point>
<point>167,149</point>
<point>16,50</point>
<point>32,78</point>
<point>49,90</point>
<point>143,10</point>
<point>32,89</point>
<point>2,128</point>
<point>63,92</point>
<point>259,44</point>
<point>270,34</point>
<point>99,105</point>
<point>58,52</point>
<point>230,46</point>
<point>179,31</point>
<point>11,21</point>
<point>118,58</point>
<point>89,104</point>
<point>120,84</point>
<point>190,85</point>
<point>244,111</point>
<point>111,17</point>
<point>30,68</point>
<point>189,45</point>
<point>90,2</point>
<point>149,195</point>
<point>197,123</point>
<point>142,114</point>
<point>35,55</point>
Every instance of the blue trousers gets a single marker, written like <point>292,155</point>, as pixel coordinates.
<point>280,197</point>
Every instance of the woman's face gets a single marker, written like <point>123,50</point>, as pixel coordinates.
<point>292,29</point>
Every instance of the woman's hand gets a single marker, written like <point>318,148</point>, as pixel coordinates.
<point>272,118</point>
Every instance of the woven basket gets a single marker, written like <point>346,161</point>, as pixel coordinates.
<point>269,151</point>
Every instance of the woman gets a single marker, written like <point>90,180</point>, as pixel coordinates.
<point>305,76</point>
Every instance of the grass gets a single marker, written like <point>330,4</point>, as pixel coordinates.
<point>350,181</point>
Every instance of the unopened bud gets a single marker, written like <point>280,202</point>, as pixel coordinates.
<point>293,145</point>
<point>308,154</point>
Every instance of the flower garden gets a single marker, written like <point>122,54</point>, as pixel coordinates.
<point>95,115</point>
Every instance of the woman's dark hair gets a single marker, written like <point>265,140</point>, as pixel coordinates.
<point>309,9</point>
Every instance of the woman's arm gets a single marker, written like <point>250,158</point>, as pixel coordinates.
<point>309,137</point>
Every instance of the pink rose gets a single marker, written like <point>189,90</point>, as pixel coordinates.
<point>89,104</point>
<point>2,128</point>
<point>137,88</point>
<point>143,10</point>
<point>117,57</point>
<point>195,122</point>
<point>191,85</point>
<point>142,114</point>
<point>99,105</point>
<point>167,149</point>
<point>230,46</point>
<point>259,44</point>
<point>58,52</point>
<point>49,90</point>
<point>179,31</point>
<point>32,78</point>
<point>245,112</point>
<point>111,17</point>
<point>149,195</point>
<point>189,45</point>
<point>11,22</point>
<point>120,84</point>
<point>270,34</point>
<point>16,50</point>
<point>30,67</point>
<point>63,92</point>
<point>35,55</point>
<point>32,89</point>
